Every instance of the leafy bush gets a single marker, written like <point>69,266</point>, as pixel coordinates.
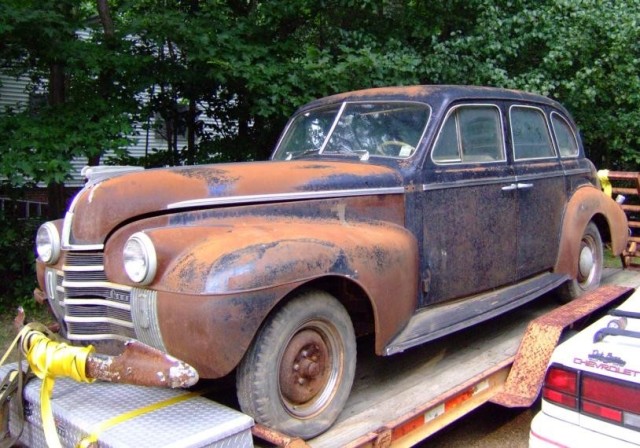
<point>17,269</point>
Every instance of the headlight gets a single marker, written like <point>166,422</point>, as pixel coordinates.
<point>48,243</point>
<point>140,260</point>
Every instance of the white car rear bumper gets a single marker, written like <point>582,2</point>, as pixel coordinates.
<point>548,432</point>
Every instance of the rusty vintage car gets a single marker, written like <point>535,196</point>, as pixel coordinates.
<point>408,213</point>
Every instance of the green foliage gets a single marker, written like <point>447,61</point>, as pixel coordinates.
<point>586,54</point>
<point>246,66</point>
<point>17,269</point>
<point>228,73</point>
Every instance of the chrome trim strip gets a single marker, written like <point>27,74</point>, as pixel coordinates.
<point>81,320</point>
<point>109,285</point>
<point>97,337</point>
<point>285,197</point>
<point>493,181</point>
<point>541,176</point>
<point>90,268</point>
<point>66,232</point>
<point>99,302</point>
<point>144,314</point>
<point>469,183</point>
<point>333,127</point>
<point>576,171</point>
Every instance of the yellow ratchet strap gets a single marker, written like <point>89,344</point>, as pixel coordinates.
<point>603,176</point>
<point>50,359</point>
<point>92,438</point>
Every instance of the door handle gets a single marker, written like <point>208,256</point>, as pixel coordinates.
<point>510,187</point>
<point>518,186</point>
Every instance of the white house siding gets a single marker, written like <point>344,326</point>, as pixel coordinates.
<point>13,94</point>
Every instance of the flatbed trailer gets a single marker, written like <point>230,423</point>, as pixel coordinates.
<point>396,401</point>
<point>401,400</point>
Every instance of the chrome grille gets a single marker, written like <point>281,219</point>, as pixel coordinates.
<point>94,309</point>
<point>84,259</point>
<point>83,276</point>
<point>98,311</point>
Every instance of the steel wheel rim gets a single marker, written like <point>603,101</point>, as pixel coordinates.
<point>321,381</point>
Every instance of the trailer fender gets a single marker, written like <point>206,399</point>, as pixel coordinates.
<point>584,205</point>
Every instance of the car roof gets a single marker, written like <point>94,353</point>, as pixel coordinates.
<point>434,94</point>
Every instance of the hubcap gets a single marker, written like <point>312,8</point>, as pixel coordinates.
<point>586,262</point>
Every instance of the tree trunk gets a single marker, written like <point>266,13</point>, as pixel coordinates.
<point>191,132</point>
<point>57,94</point>
<point>105,77</point>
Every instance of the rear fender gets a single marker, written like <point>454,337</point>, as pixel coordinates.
<point>584,205</point>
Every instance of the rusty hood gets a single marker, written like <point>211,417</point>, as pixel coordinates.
<point>100,208</point>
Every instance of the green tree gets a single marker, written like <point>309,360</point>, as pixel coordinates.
<point>584,53</point>
<point>84,115</point>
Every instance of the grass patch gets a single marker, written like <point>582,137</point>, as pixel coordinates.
<point>610,260</point>
<point>8,333</point>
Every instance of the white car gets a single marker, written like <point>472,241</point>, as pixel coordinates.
<point>591,393</point>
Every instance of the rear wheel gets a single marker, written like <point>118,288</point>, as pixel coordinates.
<point>590,262</point>
<point>297,375</point>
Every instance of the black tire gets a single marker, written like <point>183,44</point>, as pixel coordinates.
<point>590,262</point>
<point>297,374</point>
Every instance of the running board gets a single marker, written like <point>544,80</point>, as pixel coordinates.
<point>437,321</point>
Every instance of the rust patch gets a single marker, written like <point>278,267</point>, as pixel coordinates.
<point>277,438</point>
<point>141,365</point>
<point>539,341</point>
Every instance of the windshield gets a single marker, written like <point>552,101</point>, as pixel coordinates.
<point>388,129</point>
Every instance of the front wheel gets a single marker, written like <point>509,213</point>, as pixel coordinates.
<point>590,262</point>
<point>297,375</point>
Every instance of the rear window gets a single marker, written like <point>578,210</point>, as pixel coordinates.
<point>530,134</point>
<point>566,139</point>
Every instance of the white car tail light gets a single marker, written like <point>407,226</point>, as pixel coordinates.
<point>614,401</point>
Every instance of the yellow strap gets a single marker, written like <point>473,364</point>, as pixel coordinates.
<point>603,176</point>
<point>14,343</point>
<point>50,359</point>
<point>92,438</point>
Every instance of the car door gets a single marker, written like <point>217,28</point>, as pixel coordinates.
<point>469,211</point>
<point>540,188</point>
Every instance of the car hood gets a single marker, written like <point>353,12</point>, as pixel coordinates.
<point>103,206</point>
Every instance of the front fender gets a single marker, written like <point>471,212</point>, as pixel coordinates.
<point>283,254</point>
<point>584,205</point>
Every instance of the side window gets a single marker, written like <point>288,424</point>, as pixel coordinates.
<point>471,134</point>
<point>530,134</point>
<point>567,142</point>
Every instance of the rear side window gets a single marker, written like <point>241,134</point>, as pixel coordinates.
<point>530,134</point>
<point>567,142</point>
<point>470,134</point>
